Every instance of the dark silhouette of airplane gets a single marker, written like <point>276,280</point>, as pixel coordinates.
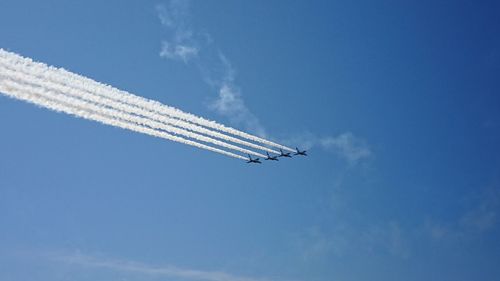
<point>284,154</point>
<point>303,153</point>
<point>256,160</point>
<point>269,157</point>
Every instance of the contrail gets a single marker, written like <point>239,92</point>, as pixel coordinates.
<point>151,105</point>
<point>9,89</point>
<point>48,77</point>
<point>63,98</point>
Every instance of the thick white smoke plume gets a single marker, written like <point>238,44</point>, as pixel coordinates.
<point>51,79</point>
<point>89,85</point>
<point>19,92</point>
<point>63,91</point>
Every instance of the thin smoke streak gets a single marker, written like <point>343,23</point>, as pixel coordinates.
<point>151,105</point>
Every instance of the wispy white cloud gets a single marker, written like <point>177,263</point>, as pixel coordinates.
<point>133,267</point>
<point>230,103</point>
<point>348,146</point>
<point>390,237</point>
<point>314,243</point>
<point>346,239</point>
<point>181,45</point>
<point>182,52</point>
<point>355,233</point>
<point>484,216</point>
<point>174,14</point>
<point>186,44</point>
<point>479,218</point>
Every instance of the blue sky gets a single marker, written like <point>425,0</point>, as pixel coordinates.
<point>397,102</point>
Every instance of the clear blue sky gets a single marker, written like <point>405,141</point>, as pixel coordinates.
<point>397,101</point>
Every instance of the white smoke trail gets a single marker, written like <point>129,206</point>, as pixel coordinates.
<point>151,105</point>
<point>63,98</point>
<point>12,90</point>
<point>15,78</point>
<point>47,77</point>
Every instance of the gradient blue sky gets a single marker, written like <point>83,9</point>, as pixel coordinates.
<point>398,102</point>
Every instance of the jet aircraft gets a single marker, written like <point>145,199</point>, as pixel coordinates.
<point>303,153</point>
<point>256,160</point>
<point>284,154</point>
<point>269,157</point>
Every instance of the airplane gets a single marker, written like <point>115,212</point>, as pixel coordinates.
<point>269,157</point>
<point>284,154</point>
<point>303,153</point>
<point>256,160</point>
